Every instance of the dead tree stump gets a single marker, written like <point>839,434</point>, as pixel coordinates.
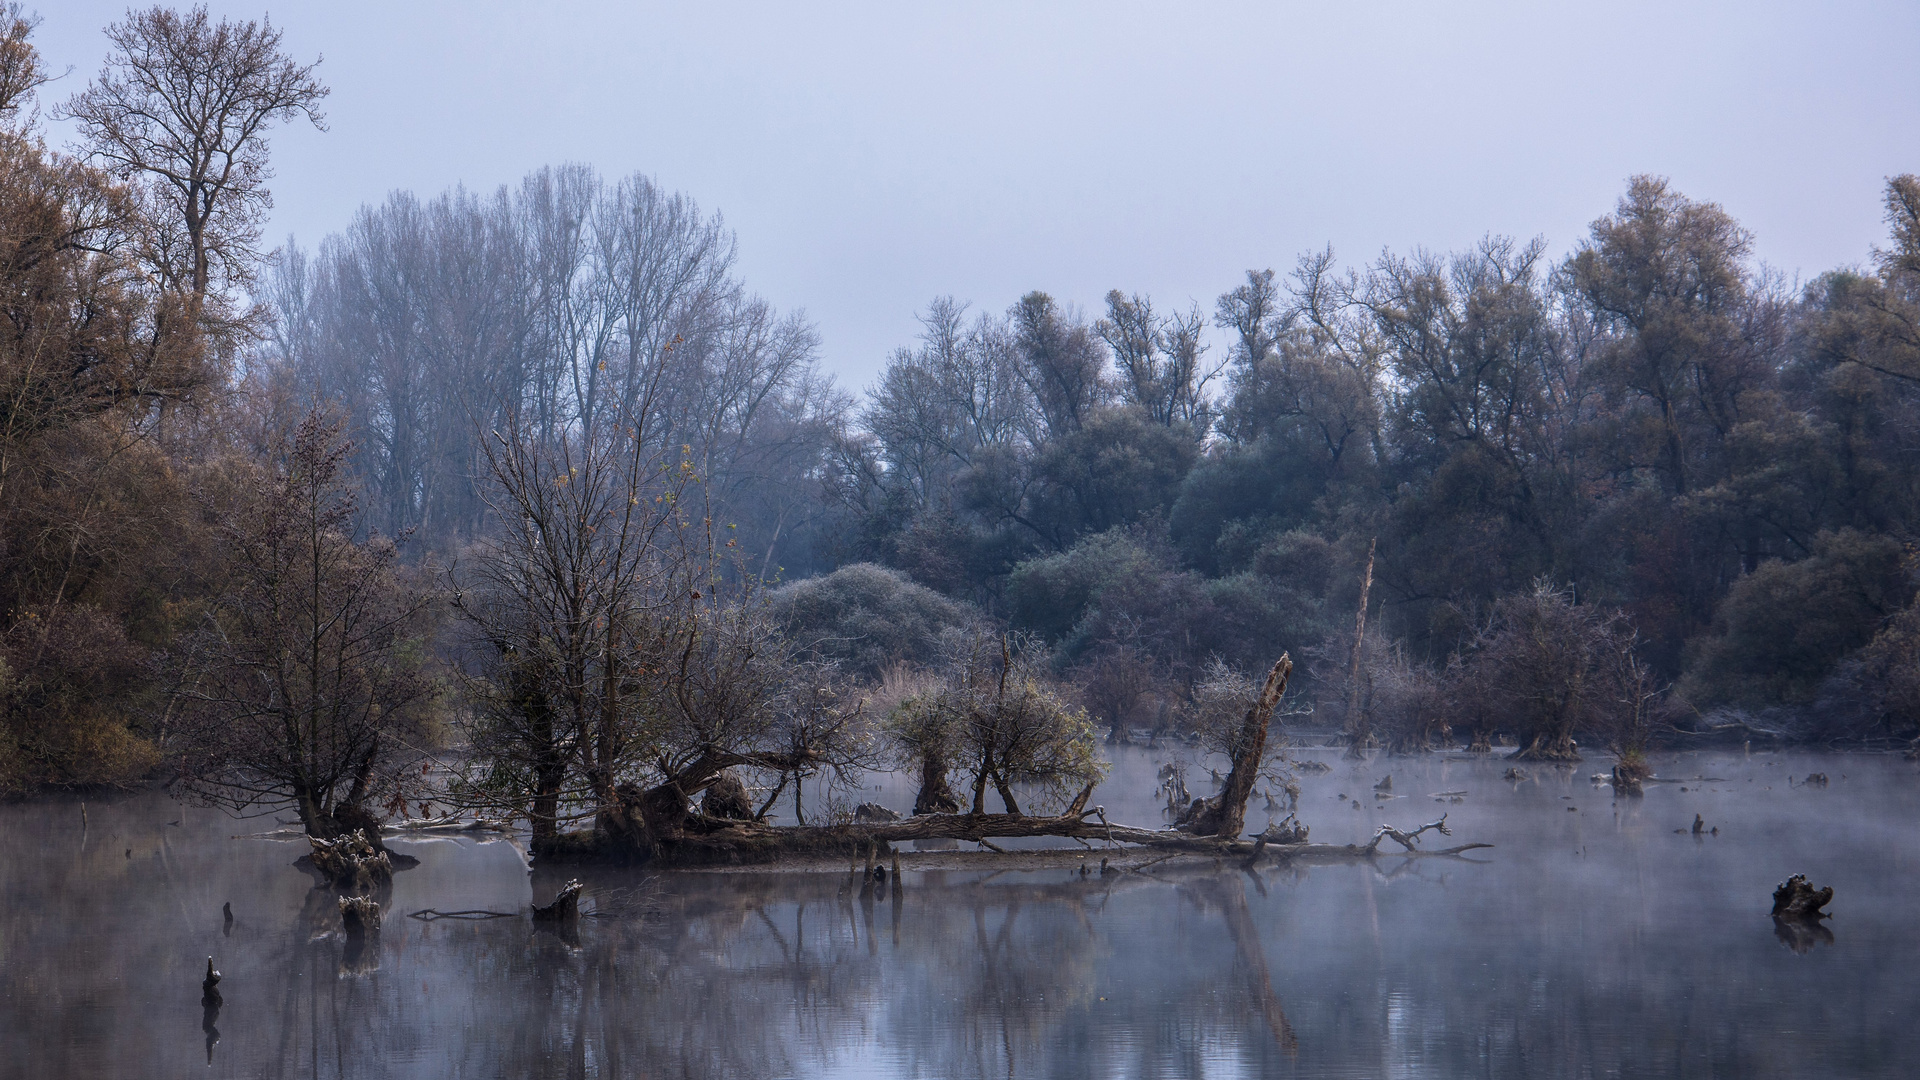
<point>352,863</point>
<point>565,907</point>
<point>210,987</point>
<point>359,915</point>
<point>1796,898</point>
<point>1627,777</point>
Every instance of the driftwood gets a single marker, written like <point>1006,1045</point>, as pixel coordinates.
<point>352,863</point>
<point>1410,840</point>
<point>449,823</point>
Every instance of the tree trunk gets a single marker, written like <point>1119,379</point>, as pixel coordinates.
<point>935,796</point>
<point>1225,815</point>
<point>1006,793</point>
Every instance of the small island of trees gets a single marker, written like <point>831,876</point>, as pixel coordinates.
<point>520,504</point>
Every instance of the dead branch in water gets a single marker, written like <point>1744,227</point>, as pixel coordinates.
<point>1408,840</point>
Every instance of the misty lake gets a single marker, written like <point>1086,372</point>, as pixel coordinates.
<point>1598,938</point>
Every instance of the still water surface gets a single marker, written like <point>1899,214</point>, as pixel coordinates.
<point>1597,939</point>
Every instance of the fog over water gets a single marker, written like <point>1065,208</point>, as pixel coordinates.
<point>1597,938</point>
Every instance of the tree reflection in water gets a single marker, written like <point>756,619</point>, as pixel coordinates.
<point>1590,944</point>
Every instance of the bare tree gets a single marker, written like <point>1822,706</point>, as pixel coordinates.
<point>561,597</point>
<point>306,682</point>
<point>1061,361</point>
<point>626,662</point>
<point>1547,668</point>
<point>184,105</point>
<point>1158,359</point>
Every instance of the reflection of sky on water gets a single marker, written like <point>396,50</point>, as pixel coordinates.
<point>1591,941</point>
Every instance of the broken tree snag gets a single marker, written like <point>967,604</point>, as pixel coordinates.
<point>210,987</point>
<point>565,906</point>
<point>1359,732</point>
<point>351,863</point>
<point>1226,813</point>
<point>359,915</point>
<point>1796,898</point>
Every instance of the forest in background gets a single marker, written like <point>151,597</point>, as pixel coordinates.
<point>534,475</point>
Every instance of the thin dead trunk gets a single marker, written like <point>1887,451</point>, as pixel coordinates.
<point>1359,731</point>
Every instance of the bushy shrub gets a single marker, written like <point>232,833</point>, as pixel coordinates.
<point>997,719</point>
<point>1544,668</point>
<point>1782,628</point>
<point>867,617</point>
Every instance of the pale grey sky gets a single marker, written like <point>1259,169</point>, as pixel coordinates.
<point>874,156</point>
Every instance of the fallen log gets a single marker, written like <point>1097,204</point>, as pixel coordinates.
<point>1089,824</point>
<point>447,823</point>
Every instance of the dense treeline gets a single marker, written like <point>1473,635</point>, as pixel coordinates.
<point>533,477</point>
<point>1653,426</point>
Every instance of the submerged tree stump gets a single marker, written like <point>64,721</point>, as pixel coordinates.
<point>1627,777</point>
<point>352,863</point>
<point>565,907</point>
<point>1287,831</point>
<point>210,987</point>
<point>1796,898</point>
<point>359,915</point>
